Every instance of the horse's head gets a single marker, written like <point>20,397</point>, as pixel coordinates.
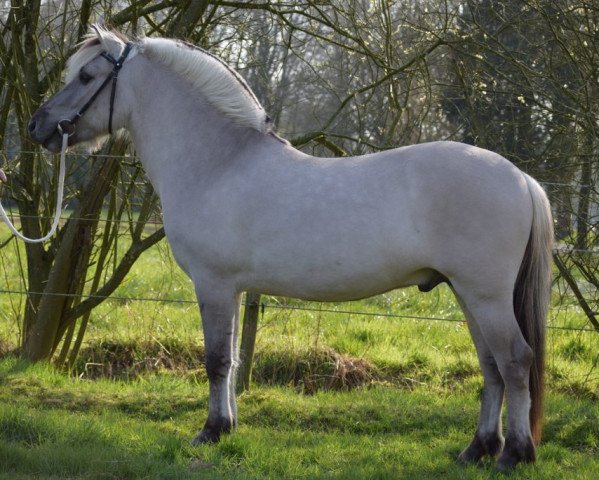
<point>87,106</point>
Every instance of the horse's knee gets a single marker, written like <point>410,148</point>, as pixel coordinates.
<point>522,353</point>
<point>218,364</point>
<point>515,369</point>
<point>490,370</point>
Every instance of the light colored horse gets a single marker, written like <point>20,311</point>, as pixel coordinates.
<point>245,211</point>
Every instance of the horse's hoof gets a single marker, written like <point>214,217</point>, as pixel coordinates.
<point>212,431</point>
<point>480,446</point>
<point>205,437</point>
<point>515,452</point>
<point>472,453</point>
<point>469,456</point>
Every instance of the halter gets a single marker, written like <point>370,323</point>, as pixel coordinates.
<point>68,126</point>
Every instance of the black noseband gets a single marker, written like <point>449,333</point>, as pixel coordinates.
<point>65,125</point>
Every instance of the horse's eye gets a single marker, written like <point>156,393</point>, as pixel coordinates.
<point>85,77</point>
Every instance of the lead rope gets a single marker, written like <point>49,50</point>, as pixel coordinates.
<point>59,197</point>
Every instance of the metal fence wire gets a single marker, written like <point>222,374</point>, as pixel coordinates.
<point>269,305</point>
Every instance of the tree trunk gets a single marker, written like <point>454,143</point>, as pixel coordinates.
<point>584,195</point>
<point>70,263</point>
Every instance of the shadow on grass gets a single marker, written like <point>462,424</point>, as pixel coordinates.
<point>46,443</point>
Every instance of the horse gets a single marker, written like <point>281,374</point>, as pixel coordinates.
<point>244,211</point>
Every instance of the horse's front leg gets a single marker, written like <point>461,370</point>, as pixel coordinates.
<point>220,316</point>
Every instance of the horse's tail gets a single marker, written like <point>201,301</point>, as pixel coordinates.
<point>532,294</point>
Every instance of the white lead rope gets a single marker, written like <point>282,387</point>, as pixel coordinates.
<point>59,197</point>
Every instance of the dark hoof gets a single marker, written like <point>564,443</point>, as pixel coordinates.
<point>480,446</point>
<point>212,431</point>
<point>205,437</point>
<point>516,451</point>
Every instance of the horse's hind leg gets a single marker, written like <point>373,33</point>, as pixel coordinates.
<point>219,316</point>
<point>494,315</point>
<point>488,439</point>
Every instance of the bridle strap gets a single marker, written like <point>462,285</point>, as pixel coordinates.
<point>88,104</point>
<point>113,76</point>
<point>66,128</point>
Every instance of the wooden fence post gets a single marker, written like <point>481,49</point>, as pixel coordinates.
<point>248,340</point>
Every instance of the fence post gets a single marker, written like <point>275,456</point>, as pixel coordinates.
<point>248,340</point>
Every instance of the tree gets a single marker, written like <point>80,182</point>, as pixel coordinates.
<point>338,77</point>
<point>522,82</point>
<point>70,275</point>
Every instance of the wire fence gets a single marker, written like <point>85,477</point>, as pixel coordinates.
<point>270,305</point>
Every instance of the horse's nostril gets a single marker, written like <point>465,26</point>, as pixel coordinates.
<point>32,125</point>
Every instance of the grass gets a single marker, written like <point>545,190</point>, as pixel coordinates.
<point>56,426</point>
<point>139,392</point>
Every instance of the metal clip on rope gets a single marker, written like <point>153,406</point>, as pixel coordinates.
<point>66,133</point>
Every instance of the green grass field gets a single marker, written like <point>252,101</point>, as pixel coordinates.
<point>335,394</point>
<point>54,426</point>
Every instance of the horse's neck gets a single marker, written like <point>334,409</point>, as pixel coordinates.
<point>179,138</point>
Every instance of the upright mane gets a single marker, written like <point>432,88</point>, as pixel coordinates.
<point>219,84</point>
<point>207,75</point>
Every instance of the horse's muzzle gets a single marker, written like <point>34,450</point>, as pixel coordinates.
<point>43,132</point>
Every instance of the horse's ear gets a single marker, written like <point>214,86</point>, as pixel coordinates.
<point>110,42</point>
<point>95,30</point>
